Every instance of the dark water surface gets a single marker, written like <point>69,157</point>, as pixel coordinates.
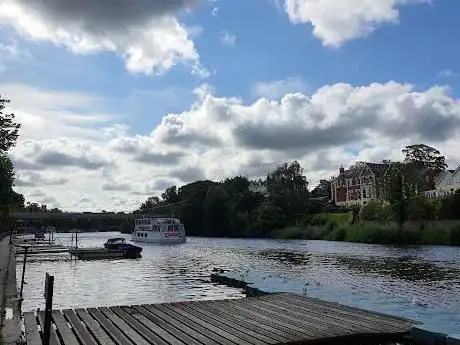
<point>420,282</point>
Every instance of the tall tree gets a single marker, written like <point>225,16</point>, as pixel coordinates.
<point>170,195</point>
<point>398,186</point>
<point>323,189</point>
<point>424,156</point>
<point>287,179</point>
<point>6,184</point>
<point>9,130</point>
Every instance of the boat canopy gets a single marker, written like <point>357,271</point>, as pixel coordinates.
<point>118,239</point>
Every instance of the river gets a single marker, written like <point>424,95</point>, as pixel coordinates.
<point>420,282</point>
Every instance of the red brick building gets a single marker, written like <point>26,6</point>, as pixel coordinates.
<point>356,186</point>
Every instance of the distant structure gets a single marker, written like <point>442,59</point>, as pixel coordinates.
<point>357,185</point>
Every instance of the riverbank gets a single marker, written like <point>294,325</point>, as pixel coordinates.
<point>10,332</point>
<point>416,233</point>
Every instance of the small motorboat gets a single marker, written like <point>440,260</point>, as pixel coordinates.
<point>119,244</point>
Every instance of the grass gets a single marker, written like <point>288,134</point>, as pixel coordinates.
<point>429,233</point>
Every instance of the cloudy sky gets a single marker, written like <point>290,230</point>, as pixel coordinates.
<point>121,99</point>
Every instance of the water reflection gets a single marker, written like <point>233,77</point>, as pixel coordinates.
<point>285,256</point>
<point>405,267</point>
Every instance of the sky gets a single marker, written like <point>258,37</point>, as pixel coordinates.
<point>119,100</point>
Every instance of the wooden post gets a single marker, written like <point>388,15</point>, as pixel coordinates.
<point>49,287</point>
<point>23,276</point>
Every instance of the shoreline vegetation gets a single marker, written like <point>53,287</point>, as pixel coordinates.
<point>332,227</point>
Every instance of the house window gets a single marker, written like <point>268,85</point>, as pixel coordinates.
<point>364,194</point>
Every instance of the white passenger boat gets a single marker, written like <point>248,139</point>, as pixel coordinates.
<point>159,230</point>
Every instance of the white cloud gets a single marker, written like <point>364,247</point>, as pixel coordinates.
<point>337,21</point>
<point>219,137</point>
<point>447,73</point>
<point>227,38</point>
<point>278,88</point>
<point>146,34</point>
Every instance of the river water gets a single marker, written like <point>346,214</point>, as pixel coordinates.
<point>422,282</point>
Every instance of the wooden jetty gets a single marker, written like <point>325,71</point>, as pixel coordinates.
<point>282,318</point>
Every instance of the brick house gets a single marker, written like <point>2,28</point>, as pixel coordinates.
<point>356,186</point>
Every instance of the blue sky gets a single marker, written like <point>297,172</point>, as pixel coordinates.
<point>276,51</point>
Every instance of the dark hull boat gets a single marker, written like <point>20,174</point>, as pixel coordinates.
<point>119,244</point>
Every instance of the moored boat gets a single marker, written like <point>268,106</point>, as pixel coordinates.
<point>119,243</point>
<point>159,230</point>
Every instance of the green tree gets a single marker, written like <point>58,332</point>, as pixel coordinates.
<point>236,185</point>
<point>6,184</point>
<point>215,211</point>
<point>424,156</point>
<point>420,208</point>
<point>323,189</point>
<point>9,130</point>
<point>376,210</point>
<point>397,187</point>
<point>287,179</point>
<point>268,218</point>
<point>170,195</point>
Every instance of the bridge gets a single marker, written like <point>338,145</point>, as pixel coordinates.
<point>80,215</point>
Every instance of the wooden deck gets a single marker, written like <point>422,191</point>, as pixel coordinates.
<point>283,318</point>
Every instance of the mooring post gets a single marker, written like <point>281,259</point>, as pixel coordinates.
<point>26,248</point>
<point>49,287</point>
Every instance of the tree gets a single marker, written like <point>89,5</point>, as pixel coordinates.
<point>150,203</point>
<point>6,184</point>
<point>424,156</point>
<point>170,195</point>
<point>9,130</point>
<point>236,185</point>
<point>323,189</point>
<point>268,218</point>
<point>398,186</point>
<point>215,211</point>
<point>287,179</point>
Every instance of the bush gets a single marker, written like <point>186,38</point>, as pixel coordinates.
<point>375,211</point>
<point>421,209</point>
<point>288,233</point>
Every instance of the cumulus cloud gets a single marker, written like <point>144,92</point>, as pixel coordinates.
<point>145,33</point>
<point>335,22</point>
<point>36,179</point>
<point>219,137</point>
<point>446,73</point>
<point>276,89</point>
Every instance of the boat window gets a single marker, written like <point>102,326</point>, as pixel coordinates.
<point>170,227</point>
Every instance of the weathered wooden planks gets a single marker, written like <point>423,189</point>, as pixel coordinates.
<point>267,320</point>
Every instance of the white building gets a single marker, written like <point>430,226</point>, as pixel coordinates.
<point>448,182</point>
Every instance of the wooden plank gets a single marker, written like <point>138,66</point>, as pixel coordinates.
<point>141,329</point>
<point>168,337</point>
<point>334,306</point>
<point>287,324</point>
<point>80,330</point>
<point>177,331</point>
<point>354,324</point>
<point>204,309</point>
<point>114,333</point>
<point>364,318</point>
<point>210,327</point>
<point>63,328</point>
<point>54,340</point>
<point>152,309</point>
<point>268,328</point>
<point>95,329</point>
<point>289,331</point>
<point>216,338</point>
<point>31,329</point>
<point>327,323</point>
<point>234,329</point>
<point>135,337</point>
<point>312,329</point>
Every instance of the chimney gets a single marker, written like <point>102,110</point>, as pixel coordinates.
<point>342,170</point>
